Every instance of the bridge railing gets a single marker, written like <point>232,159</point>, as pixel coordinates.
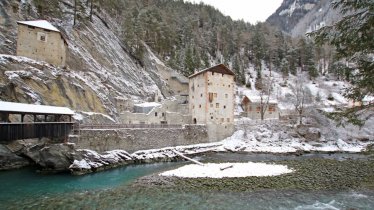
<point>53,130</point>
<point>124,126</point>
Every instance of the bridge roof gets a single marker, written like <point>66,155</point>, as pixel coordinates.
<point>20,108</point>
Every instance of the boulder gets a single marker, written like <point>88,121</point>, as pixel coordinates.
<point>53,157</point>
<point>9,160</point>
<point>309,133</point>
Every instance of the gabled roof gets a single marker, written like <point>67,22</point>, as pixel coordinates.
<point>257,99</point>
<point>39,24</point>
<point>220,68</point>
<point>20,108</point>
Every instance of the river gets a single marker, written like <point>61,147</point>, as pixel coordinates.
<point>25,189</point>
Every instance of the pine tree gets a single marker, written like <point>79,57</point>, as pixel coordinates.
<point>353,39</point>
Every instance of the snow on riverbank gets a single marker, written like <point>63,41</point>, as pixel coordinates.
<point>221,170</point>
<point>266,141</point>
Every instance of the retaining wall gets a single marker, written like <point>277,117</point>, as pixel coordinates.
<point>134,139</point>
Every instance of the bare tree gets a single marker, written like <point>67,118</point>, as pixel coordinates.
<point>265,92</point>
<point>75,12</point>
<point>299,93</point>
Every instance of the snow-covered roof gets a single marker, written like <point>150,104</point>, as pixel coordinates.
<point>39,24</point>
<point>33,109</point>
<point>257,99</point>
<point>220,68</point>
<point>148,104</point>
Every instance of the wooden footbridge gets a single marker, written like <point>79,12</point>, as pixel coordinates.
<point>26,121</point>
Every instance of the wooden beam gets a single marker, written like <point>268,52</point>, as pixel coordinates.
<point>187,158</point>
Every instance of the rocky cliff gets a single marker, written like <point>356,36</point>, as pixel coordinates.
<point>298,17</point>
<point>100,72</point>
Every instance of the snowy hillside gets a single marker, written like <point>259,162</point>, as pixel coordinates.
<point>99,70</point>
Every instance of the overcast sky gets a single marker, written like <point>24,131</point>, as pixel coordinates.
<point>249,10</point>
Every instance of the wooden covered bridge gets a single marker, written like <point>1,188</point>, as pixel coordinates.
<point>26,121</point>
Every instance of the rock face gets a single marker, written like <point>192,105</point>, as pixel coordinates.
<point>309,133</point>
<point>298,17</point>
<point>9,160</point>
<point>53,157</point>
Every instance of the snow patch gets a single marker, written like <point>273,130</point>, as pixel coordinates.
<point>221,170</point>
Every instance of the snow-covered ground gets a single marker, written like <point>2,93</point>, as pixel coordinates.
<point>220,170</point>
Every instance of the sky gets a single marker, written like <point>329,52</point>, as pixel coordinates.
<point>249,10</point>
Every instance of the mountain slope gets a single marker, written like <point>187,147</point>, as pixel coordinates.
<point>297,17</point>
<point>98,66</point>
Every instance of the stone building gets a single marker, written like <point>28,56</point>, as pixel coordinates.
<point>40,40</point>
<point>211,100</point>
<point>252,107</point>
<point>169,112</point>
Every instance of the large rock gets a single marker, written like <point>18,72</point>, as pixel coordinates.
<point>9,160</point>
<point>53,157</point>
<point>309,133</point>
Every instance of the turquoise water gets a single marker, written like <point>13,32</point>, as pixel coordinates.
<point>25,189</point>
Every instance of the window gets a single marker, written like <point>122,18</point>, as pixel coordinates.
<point>193,97</point>
<point>229,85</point>
<point>211,117</point>
<point>211,105</point>
<point>212,73</point>
<point>193,106</point>
<point>163,114</point>
<point>228,119</point>
<point>222,119</point>
<point>226,95</point>
<point>41,36</point>
<point>271,108</point>
<point>217,105</point>
<point>224,107</point>
<point>211,97</point>
<point>155,114</point>
<point>200,106</point>
<point>215,95</point>
<point>201,95</point>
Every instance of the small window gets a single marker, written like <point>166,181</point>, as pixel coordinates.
<point>155,114</point>
<point>211,97</point>
<point>215,95</point>
<point>212,73</point>
<point>201,95</point>
<point>226,95</point>
<point>229,85</point>
<point>222,119</point>
<point>228,119</point>
<point>163,114</point>
<point>211,105</point>
<point>211,117</point>
<point>41,36</point>
<point>200,106</point>
<point>193,97</point>
<point>224,107</point>
<point>217,105</point>
<point>193,106</point>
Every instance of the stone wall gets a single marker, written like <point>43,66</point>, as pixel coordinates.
<point>135,139</point>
